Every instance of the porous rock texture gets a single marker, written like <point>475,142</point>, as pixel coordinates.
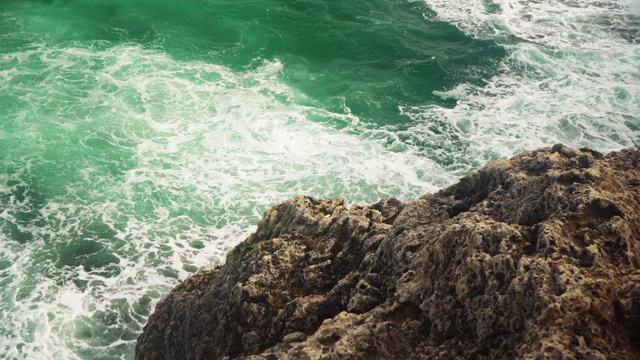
<point>537,257</point>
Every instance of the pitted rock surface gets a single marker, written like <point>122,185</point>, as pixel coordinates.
<point>536,257</point>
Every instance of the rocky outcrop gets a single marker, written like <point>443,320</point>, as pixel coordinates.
<point>535,257</point>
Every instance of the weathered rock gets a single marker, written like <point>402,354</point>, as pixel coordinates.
<point>534,257</point>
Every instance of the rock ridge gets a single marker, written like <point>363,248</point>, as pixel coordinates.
<point>534,257</point>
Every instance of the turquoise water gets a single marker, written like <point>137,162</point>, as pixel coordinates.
<point>140,140</point>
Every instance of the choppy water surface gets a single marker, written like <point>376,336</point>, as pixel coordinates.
<point>140,140</point>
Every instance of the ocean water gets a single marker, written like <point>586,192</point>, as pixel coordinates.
<point>140,140</point>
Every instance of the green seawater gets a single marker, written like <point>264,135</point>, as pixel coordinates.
<point>141,140</point>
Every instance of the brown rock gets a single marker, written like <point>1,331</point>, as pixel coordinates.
<point>536,257</point>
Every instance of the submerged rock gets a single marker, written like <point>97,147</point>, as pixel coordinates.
<point>534,257</point>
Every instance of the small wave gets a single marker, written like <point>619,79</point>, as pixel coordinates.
<point>571,77</point>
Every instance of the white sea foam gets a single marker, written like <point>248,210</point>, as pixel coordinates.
<point>571,76</point>
<point>135,170</point>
